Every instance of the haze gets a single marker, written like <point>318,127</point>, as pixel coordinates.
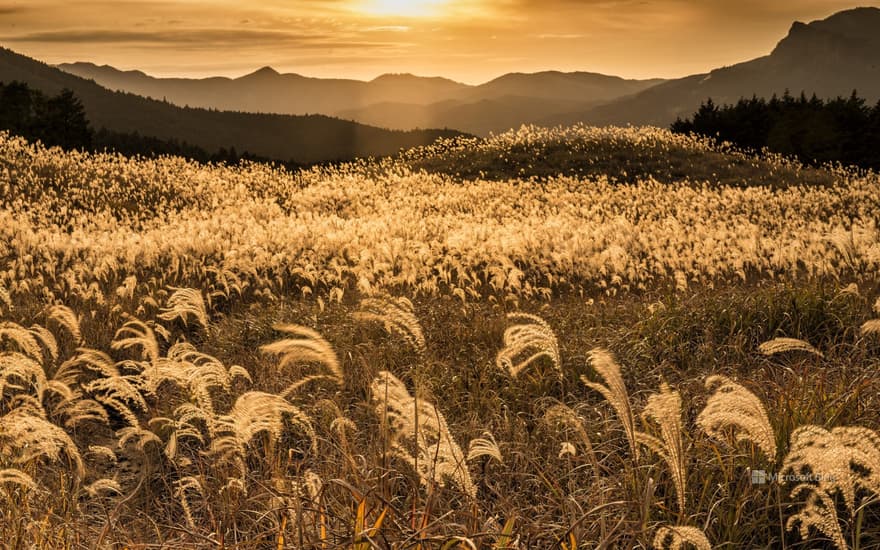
<point>470,41</point>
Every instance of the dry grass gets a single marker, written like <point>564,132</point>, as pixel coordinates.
<point>235,393</point>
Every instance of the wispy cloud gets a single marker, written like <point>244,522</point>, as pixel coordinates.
<point>202,39</point>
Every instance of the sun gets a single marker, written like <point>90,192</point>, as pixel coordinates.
<point>403,8</point>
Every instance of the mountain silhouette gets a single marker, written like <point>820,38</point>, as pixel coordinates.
<point>303,139</point>
<point>399,101</point>
<point>830,58</point>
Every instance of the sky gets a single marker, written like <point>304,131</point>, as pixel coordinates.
<point>470,41</point>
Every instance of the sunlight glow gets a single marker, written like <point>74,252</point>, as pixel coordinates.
<point>402,8</point>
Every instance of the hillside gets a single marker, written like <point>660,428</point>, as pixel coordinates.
<point>831,58</point>
<point>303,139</point>
<point>400,101</point>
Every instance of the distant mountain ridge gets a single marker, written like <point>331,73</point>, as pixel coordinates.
<point>830,57</point>
<point>303,139</point>
<point>399,101</point>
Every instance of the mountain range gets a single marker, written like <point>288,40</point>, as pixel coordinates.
<point>829,57</point>
<point>398,101</point>
<point>301,139</point>
<point>290,116</point>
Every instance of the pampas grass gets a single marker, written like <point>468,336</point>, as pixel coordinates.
<point>664,410</point>
<point>484,446</point>
<point>531,335</point>
<point>397,315</point>
<point>785,345</point>
<point>183,304</point>
<point>306,346</point>
<point>732,406</point>
<point>418,434</point>
<point>675,538</point>
<point>614,391</point>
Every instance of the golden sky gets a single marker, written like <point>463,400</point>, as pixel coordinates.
<point>471,41</point>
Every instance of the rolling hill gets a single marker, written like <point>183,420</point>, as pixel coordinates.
<point>304,139</point>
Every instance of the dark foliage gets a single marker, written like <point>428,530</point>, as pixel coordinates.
<point>815,131</point>
<point>58,120</point>
<point>61,121</point>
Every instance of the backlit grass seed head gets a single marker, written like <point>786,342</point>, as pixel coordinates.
<point>397,316</point>
<point>417,433</point>
<point>253,413</point>
<point>664,410</point>
<point>484,446</point>
<point>732,406</point>
<point>680,537</point>
<point>526,342</point>
<point>25,437</point>
<point>5,300</point>
<point>871,327</point>
<point>15,477</point>
<point>843,460</point>
<point>183,304</point>
<point>305,346</point>
<point>22,339</point>
<point>614,391</point>
<point>137,334</point>
<point>103,487</point>
<point>785,345</point>
<point>67,319</point>
<point>819,512</point>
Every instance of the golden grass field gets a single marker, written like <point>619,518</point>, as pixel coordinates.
<point>569,338</point>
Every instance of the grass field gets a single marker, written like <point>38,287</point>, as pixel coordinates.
<point>569,338</point>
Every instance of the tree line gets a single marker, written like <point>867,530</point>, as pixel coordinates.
<point>61,121</point>
<point>815,131</point>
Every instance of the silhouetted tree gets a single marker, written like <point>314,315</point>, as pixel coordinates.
<point>841,130</point>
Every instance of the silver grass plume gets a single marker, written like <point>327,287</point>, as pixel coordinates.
<point>437,456</point>
<point>254,413</point>
<point>397,315</point>
<point>785,345</point>
<point>14,476</point>
<point>733,406</point>
<point>676,537</point>
<point>531,336</point>
<point>26,435</point>
<point>614,391</point>
<point>834,455</point>
<point>22,338</point>
<point>65,317</point>
<point>664,409</point>
<point>819,512</point>
<point>305,346</point>
<point>185,303</point>
<point>561,414</point>
<point>484,446</point>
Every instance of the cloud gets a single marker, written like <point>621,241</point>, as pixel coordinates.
<point>194,37</point>
<point>553,36</point>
